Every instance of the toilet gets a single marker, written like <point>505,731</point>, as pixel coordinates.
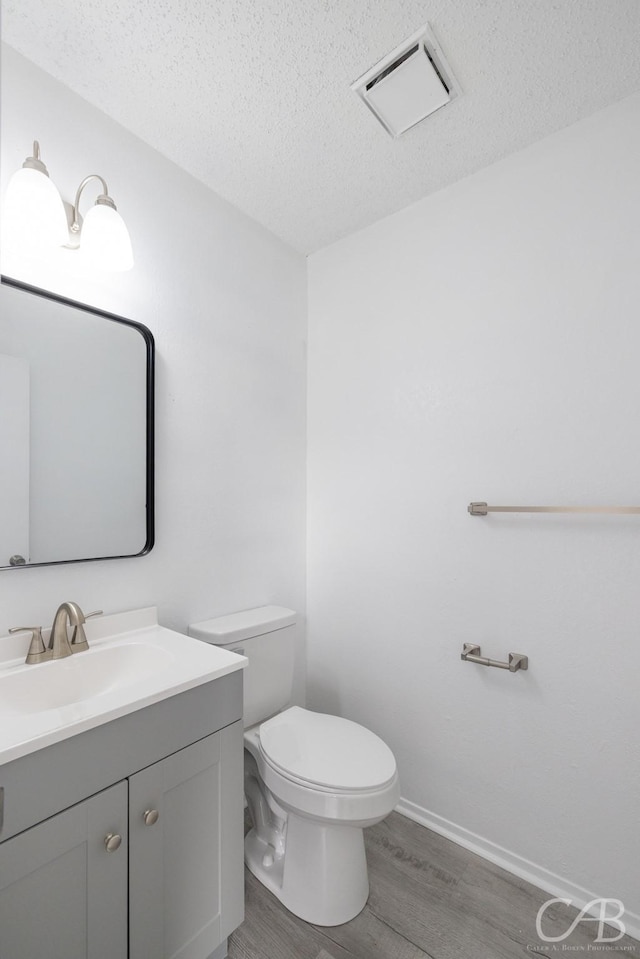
<point>313,782</point>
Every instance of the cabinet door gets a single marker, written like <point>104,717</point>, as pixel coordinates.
<point>175,859</point>
<point>62,894</point>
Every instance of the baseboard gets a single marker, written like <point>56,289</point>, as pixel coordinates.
<point>512,862</point>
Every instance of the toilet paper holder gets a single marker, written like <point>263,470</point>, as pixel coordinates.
<point>471,653</point>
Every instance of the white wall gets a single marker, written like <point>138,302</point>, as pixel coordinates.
<point>226,302</point>
<point>484,344</point>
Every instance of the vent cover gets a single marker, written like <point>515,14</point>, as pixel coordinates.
<point>413,81</point>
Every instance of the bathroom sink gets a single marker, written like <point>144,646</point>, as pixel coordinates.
<point>80,677</point>
<point>131,662</point>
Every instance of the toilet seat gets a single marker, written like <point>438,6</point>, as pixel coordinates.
<point>326,753</point>
<point>355,806</point>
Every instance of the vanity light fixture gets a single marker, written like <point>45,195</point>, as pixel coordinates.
<point>34,214</point>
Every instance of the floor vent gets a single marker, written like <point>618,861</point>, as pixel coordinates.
<point>409,84</point>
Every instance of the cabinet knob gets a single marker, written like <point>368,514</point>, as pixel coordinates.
<point>150,816</point>
<point>112,841</point>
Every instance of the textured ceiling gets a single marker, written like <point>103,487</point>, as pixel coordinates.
<point>253,96</point>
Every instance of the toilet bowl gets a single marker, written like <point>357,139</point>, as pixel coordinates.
<point>313,781</point>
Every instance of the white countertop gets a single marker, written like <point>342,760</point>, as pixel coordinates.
<point>132,662</point>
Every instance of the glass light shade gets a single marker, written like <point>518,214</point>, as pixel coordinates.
<point>33,213</point>
<point>105,241</point>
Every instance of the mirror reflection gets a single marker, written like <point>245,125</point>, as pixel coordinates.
<point>76,390</point>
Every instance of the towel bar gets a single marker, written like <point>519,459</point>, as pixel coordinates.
<point>481,509</point>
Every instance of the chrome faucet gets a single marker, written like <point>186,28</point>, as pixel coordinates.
<point>67,614</point>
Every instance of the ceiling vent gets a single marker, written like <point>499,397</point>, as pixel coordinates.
<point>409,84</point>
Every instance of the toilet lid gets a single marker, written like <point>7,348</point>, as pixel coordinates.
<point>326,750</point>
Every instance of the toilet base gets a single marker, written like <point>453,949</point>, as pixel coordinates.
<point>321,873</point>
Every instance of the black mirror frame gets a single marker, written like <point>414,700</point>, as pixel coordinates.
<point>147,336</point>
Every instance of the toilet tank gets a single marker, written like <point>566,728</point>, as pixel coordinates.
<point>266,636</point>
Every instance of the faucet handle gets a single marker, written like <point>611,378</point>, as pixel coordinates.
<point>38,653</point>
<point>78,637</point>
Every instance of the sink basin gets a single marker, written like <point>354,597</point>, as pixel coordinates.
<point>131,662</point>
<point>80,677</point>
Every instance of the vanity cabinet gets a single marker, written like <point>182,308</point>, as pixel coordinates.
<point>169,882</point>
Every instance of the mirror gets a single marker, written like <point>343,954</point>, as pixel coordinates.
<point>76,431</point>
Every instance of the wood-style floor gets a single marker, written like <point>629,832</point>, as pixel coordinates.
<point>429,898</point>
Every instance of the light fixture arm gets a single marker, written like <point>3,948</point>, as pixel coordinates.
<point>103,199</point>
